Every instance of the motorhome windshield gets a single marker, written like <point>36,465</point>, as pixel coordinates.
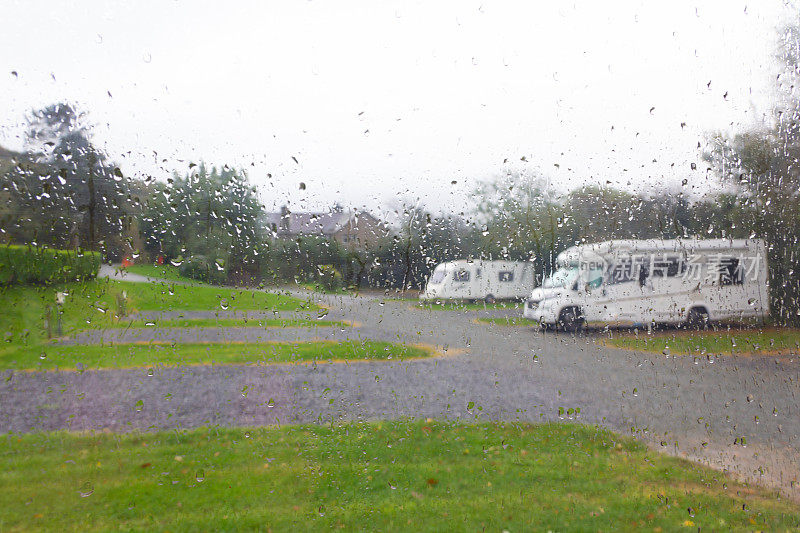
<point>438,276</point>
<point>563,277</point>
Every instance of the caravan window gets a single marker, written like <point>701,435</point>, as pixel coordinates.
<point>594,277</point>
<point>438,276</point>
<point>505,276</point>
<point>461,275</point>
<point>623,271</point>
<point>563,277</point>
<point>667,267</point>
<point>730,272</point>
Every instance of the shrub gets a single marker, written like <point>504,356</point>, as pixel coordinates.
<point>40,266</point>
<point>202,268</point>
<point>329,278</point>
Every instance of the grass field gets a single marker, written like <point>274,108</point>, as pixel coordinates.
<point>388,476</point>
<point>233,323</point>
<point>722,342</point>
<point>516,321</point>
<point>318,287</point>
<point>166,272</point>
<point>95,305</point>
<point>70,357</point>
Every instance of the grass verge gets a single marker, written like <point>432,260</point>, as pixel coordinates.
<point>165,272</point>
<point>516,321</point>
<point>234,323</point>
<point>765,341</point>
<point>95,304</point>
<point>68,357</point>
<point>320,288</point>
<point>388,476</point>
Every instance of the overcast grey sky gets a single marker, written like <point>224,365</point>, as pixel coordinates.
<point>380,100</point>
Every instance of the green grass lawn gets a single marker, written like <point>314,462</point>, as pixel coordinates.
<point>166,271</point>
<point>466,306</point>
<point>70,357</point>
<point>723,342</point>
<point>233,323</point>
<point>388,476</point>
<point>318,287</point>
<point>516,321</point>
<point>94,305</point>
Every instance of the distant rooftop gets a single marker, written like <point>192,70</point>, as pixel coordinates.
<point>305,223</point>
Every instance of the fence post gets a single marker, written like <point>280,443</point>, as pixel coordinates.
<point>48,320</point>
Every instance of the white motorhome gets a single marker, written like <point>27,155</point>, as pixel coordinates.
<point>480,280</point>
<point>638,282</point>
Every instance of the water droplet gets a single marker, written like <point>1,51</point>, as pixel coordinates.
<point>42,356</point>
<point>87,489</point>
<point>200,476</point>
<point>139,405</point>
<point>223,303</point>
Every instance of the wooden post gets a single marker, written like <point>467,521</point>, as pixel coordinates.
<point>48,315</point>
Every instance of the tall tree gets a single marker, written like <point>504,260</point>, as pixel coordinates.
<point>763,165</point>
<point>208,221</point>
<point>67,192</point>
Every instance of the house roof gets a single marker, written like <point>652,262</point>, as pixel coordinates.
<point>314,223</point>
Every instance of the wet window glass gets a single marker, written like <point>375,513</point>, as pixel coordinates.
<point>505,276</point>
<point>461,276</point>
<point>394,266</point>
<point>563,277</point>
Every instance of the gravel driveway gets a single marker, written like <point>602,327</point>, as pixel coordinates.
<point>695,408</point>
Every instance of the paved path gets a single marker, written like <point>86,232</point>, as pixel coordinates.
<point>696,408</point>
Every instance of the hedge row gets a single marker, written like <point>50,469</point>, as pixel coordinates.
<point>39,266</point>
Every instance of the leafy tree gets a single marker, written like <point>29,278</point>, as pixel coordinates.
<point>64,191</point>
<point>208,222</point>
<point>519,219</point>
<point>762,164</point>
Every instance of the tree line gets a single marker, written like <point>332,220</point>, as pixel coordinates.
<point>64,192</point>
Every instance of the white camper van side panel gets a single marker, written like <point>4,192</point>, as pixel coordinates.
<point>481,279</point>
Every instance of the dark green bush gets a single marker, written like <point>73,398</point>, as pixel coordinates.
<point>202,268</point>
<point>32,265</point>
<point>329,278</point>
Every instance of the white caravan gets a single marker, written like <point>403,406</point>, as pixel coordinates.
<point>633,282</point>
<point>480,280</point>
